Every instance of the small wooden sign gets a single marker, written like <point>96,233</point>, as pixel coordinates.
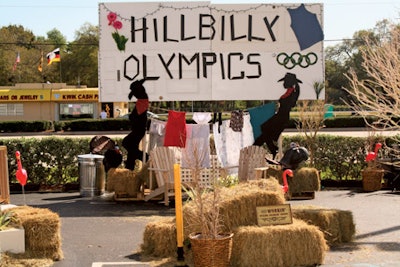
<point>274,215</point>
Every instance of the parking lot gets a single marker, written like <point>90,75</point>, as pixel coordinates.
<point>99,230</point>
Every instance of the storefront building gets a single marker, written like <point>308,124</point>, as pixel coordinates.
<point>53,102</point>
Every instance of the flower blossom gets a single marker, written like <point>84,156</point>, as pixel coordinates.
<point>111,17</point>
<point>117,24</point>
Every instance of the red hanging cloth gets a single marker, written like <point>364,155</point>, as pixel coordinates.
<point>175,129</point>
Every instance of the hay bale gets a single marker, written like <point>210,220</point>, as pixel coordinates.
<point>237,207</point>
<point>297,244</point>
<point>42,232</point>
<point>123,182</point>
<point>237,204</point>
<point>159,238</point>
<point>337,225</point>
<point>304,179</point>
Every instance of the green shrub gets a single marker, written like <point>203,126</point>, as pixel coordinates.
<point>54,160</point>
<point>49,160</point>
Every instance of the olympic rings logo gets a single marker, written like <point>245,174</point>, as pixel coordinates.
<point>296,59</point>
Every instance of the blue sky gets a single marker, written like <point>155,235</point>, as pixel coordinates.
<point>341,17</point>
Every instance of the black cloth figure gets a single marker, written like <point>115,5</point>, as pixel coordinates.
<point>272,128</point>
<point>138,119</point>
<point>112,159</point>
<point>293,157</point>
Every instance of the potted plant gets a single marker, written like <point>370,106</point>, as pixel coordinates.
<point>210,243</point>
<point>372,175</point>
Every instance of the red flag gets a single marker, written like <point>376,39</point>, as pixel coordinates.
<point>17,60</point>
<point>53,56</point>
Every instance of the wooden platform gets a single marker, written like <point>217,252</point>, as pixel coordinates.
<point>301,196</point>
<point>121,196</point>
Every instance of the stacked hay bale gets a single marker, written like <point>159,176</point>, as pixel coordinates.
<point>237,207</point>
<point>337,225</point>
<point>304,179</point>
<point>237,204</point>
<point>296,244</point>
<point>159,238</point>
<point>238,210</point>
<point>123,182</point>
<point>127,183</point>
<point>42,232</point>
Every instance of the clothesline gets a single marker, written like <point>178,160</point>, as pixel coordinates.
<point>230,135</point>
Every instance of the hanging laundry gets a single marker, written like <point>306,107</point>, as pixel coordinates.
<point>202,117</point>
<point>218,117</point>
<point>259,115</point>
<point>156,133</point>
<point>175,129</point>
<point>228,142</point>
<point>236,120</point>
<point>197,150</point>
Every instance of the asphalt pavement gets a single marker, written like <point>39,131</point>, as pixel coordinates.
<point>99,232</point>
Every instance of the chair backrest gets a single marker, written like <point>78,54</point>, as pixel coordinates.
<point>163,159</point>
<point>251,157</point>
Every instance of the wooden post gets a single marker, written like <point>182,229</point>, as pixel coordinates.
<point>4,181</point>
<point>179,215</point>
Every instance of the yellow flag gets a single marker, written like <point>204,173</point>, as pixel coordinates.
<point>40,62</point>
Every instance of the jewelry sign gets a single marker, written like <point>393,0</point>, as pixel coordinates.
<point>203,51</point>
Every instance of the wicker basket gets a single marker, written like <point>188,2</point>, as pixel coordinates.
<point>211,252</point>
<point>372,179</point>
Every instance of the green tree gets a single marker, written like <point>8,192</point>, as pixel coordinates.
<point>15,39</point>
<point>80,64</point>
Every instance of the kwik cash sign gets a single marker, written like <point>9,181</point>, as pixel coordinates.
<point>201,51</point>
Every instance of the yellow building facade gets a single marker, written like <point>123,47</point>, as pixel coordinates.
<point>53,102</point>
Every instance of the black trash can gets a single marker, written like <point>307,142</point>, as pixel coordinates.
<point>92,175</point>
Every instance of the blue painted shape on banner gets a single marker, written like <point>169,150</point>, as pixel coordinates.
<point>259,115</point>
<point>305,26</point>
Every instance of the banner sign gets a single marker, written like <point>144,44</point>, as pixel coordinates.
<point>203,51</point>
<point>24,95</point>
<point>45,95</point>
<point>75,95</point>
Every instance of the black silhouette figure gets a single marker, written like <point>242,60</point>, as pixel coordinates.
<point>272,128</point>
<point>138,119</point>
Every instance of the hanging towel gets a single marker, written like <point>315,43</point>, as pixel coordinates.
<point>259,115</point>
<point>175,129</point>
<point>228,142</point>
<point>236,120</point>
<point>156,133</point>
<point>197,150</point>
<point>202,117</point>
